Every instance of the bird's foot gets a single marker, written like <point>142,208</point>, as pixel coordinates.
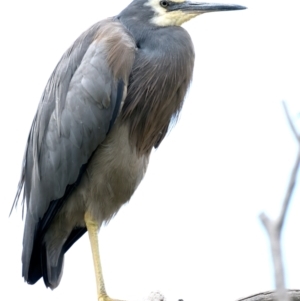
<point>106,298</point>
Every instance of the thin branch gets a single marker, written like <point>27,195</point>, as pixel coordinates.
<point>274,235</point>
<point>289,192</point>
<point>291,123</point>
<point>271,296</point>
<point>274,228</point>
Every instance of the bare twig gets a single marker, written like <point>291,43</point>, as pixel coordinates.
<point>293,128</point>
<point>274,227</point>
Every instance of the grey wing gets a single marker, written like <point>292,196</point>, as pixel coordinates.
<point>79,105</point>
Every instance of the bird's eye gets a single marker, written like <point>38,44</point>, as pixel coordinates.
<point>164,4</point>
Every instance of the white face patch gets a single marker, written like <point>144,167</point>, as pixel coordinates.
<point>164,18</point>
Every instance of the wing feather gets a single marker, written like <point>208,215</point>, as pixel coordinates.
<point>78,107</point>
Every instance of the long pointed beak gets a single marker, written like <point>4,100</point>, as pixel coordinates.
<point>202,7</point>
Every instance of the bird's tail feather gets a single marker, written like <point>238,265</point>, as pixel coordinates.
<point>41,265</point>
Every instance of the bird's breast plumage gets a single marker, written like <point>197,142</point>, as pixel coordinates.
<point>159,80</point>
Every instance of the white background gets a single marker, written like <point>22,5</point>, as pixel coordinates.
<point>191,230</point>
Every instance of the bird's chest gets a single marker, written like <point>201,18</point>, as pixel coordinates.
<point>160,77</point>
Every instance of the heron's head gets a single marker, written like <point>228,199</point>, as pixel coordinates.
<point>177,12</point>
<point>174,12</point>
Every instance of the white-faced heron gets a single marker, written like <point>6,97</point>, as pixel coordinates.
<point>108,103</point>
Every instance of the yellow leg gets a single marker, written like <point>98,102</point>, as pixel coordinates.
<point>92,228</point>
